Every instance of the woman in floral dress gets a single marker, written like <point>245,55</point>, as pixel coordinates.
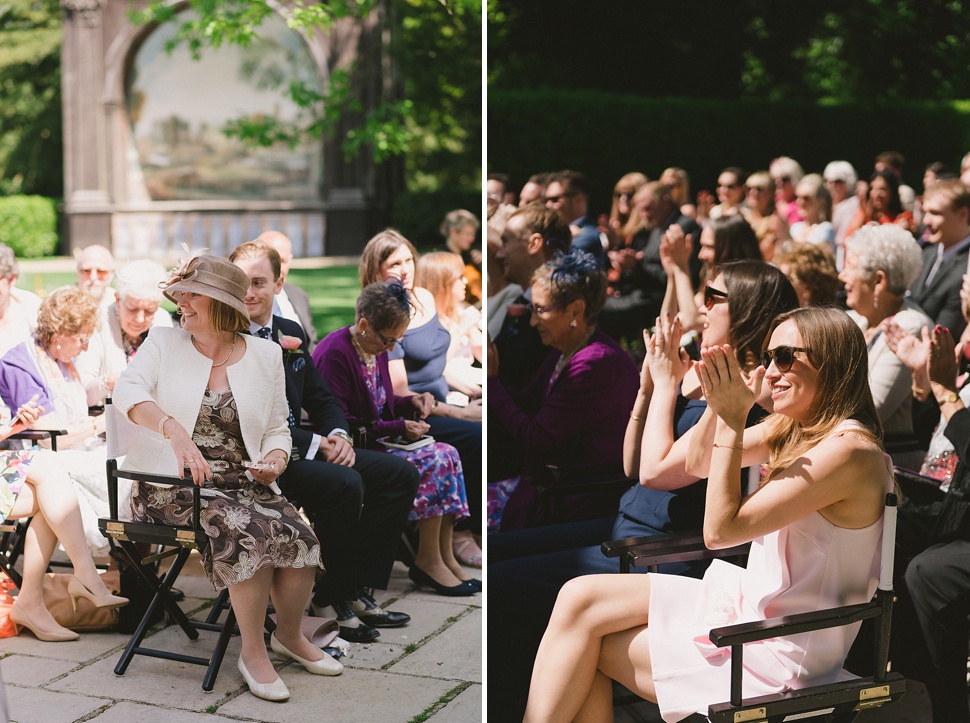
<point>33,483</point>
<point>228,390</point>
<point>353,362</point>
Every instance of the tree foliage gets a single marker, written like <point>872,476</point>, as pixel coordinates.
<point>880,50</point>
<point>31,157</point>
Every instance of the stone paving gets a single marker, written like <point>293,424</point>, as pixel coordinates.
<point>430,669</point>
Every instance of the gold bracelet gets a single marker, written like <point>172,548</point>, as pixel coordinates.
<point>917,392</point>
<point>161,425</point>
<point>635,418</point>
<point>729,446</point>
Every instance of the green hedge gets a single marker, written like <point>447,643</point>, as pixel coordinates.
<point>28,225</point>
<point>418,214</point>
<point>606,135</point>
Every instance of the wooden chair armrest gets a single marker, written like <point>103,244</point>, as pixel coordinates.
<point>614,548</point>
<point>794,624</point>
<point>35,435</point>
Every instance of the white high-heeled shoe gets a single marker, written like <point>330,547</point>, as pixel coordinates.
<point>276,691</point>
<point>327,666</point>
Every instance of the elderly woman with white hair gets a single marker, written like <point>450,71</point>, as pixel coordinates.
<point>881,262</point>
<point>135,310</point>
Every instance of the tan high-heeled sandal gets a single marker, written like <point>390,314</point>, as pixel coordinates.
<point>76,589</point>
<point>20,618</point>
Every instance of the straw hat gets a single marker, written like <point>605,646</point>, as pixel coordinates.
<point>211,276</point>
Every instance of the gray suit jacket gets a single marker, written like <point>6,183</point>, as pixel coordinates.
<point>301,303</point>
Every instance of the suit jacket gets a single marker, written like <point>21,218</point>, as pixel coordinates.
<point>648,277</point>
<point>170,372</point>
<point>306,391</point>
<point>941,299</point>
<point>588,239</point>
<point>301,304</point>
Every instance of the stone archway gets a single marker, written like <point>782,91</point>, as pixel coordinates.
<point>106,197</point>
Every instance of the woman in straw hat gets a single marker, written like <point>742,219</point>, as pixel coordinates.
<point>206,399</point>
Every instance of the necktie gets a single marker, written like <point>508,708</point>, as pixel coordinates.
<point>265,332</point>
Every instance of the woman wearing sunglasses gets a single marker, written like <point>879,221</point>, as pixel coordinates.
<point>815,525</point>
<point>881,263</point>
<point>572,412</point>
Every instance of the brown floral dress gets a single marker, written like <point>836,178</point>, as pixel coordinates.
<point>249,527</point>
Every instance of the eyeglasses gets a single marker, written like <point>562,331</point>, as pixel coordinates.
<point>81,339</point>
<point>835,180</point>
<point>533,309</point>
<point>714,296</point>
<point>783,179</point>
<point>805,197</point>
<point>784,357</point>
<point>389,342</point>
<point>557,199</point>
<point>623,194</point>
<point>729,186</point>
<point>757,189</point>
<point>100,273</point>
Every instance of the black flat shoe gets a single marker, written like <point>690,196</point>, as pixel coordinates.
<point>370,613</point>
<point>475,583</point>
<point>420,578</point>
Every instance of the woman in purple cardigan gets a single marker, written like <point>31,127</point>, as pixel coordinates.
<point>573,413</point>
<point>353,362</point>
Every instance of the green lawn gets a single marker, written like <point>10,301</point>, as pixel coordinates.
<point>333,292</point>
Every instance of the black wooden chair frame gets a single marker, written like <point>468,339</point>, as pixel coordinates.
<point>178,542</point>
<point>840,701</point>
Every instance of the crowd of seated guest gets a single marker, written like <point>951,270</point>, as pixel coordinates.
<point>885,271</point>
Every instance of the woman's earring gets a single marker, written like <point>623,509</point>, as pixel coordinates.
<point>875,301</point>
<point>57,347</point>
<point>573,323</point>
<point>363,333</point>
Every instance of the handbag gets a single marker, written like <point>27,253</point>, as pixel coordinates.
<point>7,627</point>
<point>87,617</point>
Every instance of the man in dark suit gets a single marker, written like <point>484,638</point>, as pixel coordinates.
<point>946,215</point>
<point>568,195</point>
<point>639,292</point>
<point>530,238</point>
<point>291,302</point>
<point>328,477</point>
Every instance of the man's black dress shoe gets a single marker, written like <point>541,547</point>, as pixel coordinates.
<point>370,613</point>
<point>362,633</point>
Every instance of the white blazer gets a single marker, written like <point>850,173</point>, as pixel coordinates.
<point>169,371</point>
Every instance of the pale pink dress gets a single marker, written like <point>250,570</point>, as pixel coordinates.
<point>809,565</point>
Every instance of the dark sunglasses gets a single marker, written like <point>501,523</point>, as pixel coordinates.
<point>713,296</point>
<point>784,357</point>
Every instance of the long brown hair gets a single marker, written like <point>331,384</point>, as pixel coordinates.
<point>837,349</point>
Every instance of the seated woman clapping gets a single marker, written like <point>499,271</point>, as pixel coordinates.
<point>33,483</point>
<point>572,413</point>
<point>814,524</point>
<point>353,362</point>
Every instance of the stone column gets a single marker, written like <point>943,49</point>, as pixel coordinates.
<point>86,193</point>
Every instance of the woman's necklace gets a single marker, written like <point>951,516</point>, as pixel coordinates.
<point>369,359</point>
<point>564,358</point>
<point>232,346</point>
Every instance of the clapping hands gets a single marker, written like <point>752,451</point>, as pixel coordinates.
<point>728,391</point>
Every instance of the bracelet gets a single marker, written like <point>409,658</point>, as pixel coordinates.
<point>161,425</point>
<point>729,446</point>
<point>917,392</point>
<point>434,405</point>
<point>635,418</point>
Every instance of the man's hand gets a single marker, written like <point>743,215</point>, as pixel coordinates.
<point>337,450</point>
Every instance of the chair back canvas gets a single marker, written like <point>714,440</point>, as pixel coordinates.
<point>120,434</point>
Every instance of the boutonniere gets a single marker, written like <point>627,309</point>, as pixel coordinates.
<point>291,350</point>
